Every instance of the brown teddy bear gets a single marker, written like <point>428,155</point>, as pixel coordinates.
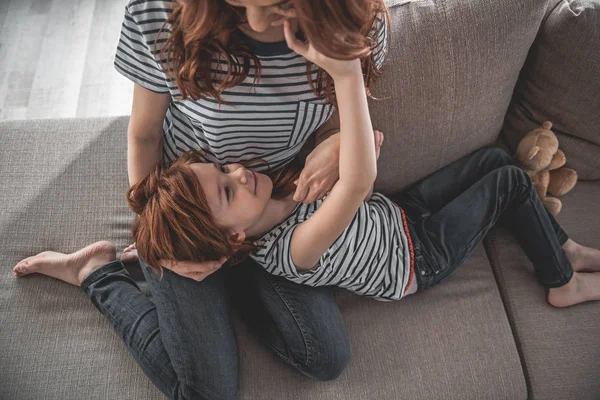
<point>540,157</point>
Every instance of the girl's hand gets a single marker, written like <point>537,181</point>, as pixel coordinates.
<point>193,270</point>
<point>338,69</point>
<point>321,171</point>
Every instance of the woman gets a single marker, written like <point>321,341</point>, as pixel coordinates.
<point>220,77</point>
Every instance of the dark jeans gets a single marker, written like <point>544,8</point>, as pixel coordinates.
<point>451,211</point>
<point>184,339</point>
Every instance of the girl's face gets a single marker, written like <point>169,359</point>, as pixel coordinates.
<point>264,14</point>
<point>237,197</point>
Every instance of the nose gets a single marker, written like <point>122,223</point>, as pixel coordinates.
<point>258,18</point>
<point>241,174</point>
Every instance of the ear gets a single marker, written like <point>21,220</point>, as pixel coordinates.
<point>237,238</point>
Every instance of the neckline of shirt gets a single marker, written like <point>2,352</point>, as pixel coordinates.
<point>265,49</point>
<point>282,224</point>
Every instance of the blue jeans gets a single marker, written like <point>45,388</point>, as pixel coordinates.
<point>451,211</point>
<point>183,338</point>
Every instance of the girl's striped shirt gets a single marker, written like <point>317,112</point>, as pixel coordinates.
<point>372,257</point>
<point>268,120</point>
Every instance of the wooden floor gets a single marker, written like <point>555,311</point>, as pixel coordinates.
<point>56,59</point>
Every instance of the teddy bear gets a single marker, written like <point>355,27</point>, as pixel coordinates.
<point>540,157</point>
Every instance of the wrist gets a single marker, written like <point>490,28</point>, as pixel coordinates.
<point>352,73</point>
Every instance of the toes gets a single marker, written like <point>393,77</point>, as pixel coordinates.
<point>22,265</point>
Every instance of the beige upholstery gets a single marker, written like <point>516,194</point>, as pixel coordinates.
<point>560,348</point>
<point>561,82</point>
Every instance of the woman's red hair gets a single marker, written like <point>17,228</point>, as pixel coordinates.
<point>174,220</point>
<point>200,31</point>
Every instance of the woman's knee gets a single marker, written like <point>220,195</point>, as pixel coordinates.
<point>217,387</point>
<point>329,359</point>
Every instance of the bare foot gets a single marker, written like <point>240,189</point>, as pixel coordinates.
<point>71,268</point>
<point>130,254</point>
<point>582,258</point>
<point>584,286</point>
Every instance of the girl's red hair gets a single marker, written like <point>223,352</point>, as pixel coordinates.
<point>174,220</point>
<point>202,30</point>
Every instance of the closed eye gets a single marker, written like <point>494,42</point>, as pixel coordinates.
<point>286,6</point>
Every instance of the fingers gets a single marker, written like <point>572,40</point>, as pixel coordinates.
<point>285,15</point>
<point>129,248</point>
<point>199,276</point>
<point>310,196</point>
<point>301,190</point>
<point>315,193</point>
<point>293,43</point>
<point>194,270</point>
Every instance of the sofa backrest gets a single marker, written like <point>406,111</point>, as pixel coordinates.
<point>448,80</point>
<point>560,82</point>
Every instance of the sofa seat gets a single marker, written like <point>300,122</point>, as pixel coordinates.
<point>451,342</point>
<point>560,348</point>
<point>63,186</point>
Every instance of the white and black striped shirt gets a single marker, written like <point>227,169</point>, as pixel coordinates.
<point>268,120</point>
<point>372,257</point>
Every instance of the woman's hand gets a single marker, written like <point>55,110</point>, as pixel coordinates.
<point>193,270</point>
<point>338,69</point>
<point>378,136</point>
<point>188,269</point>
<point>321,171</point>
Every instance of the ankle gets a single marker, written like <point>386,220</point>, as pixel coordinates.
<point>573,252</point>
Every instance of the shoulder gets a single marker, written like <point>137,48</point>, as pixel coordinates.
<point>379,36</point>
<point>144,9</point>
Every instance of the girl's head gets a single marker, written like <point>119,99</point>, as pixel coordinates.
<point>193,210</point>
<point>202,30</point>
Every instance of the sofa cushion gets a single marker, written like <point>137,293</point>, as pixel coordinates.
<point>451,342</point>
<point>449,76</point>
<point>63,187</point>
<point>560,82</point>
<point>560,347</point>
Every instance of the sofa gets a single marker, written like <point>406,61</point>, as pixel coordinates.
<point>459,75</point>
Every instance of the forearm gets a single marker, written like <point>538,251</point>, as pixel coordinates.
<point>358,167</point>
<point>143,154</point>
<point>145,132</point>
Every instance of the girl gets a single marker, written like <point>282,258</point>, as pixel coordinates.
<point>217,75</point>
<point>195,210</point>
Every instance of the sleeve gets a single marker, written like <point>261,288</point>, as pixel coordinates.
<point>278,261</point>
<point>134,58</point>
<point>380,36</point>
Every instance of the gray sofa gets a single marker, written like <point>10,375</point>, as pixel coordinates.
<point>460,75</point>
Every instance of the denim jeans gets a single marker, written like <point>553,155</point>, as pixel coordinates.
<point>183,338</point>
<point>451,211</point>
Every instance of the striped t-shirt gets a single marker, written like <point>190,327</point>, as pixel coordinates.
<point>372,257</point>
<point>265,121</point>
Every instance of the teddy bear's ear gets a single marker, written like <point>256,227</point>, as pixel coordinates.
<point>547,125</point>
<point>532,152</point>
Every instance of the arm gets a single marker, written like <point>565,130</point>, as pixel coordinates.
<point>145,132</point>
<point>357,165</point>
<point>358,170</point>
